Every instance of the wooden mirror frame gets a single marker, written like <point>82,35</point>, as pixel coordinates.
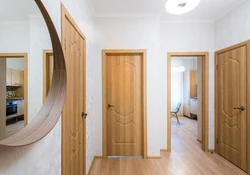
<point>51,110</point>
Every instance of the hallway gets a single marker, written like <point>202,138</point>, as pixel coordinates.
<point>186,158</point>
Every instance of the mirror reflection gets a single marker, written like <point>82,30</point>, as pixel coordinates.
<point>26,64</point>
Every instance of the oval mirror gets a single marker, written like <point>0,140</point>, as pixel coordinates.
<point>27,67</point>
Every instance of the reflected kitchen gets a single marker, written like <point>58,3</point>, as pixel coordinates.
<point>12,82</point>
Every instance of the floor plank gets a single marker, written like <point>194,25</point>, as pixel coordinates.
<point>14,128</point>
<point>186,158</point>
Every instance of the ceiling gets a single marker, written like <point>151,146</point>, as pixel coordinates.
<point>17,10</point>
<point>208,10</point>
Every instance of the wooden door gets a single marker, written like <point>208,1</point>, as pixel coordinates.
<point>50,70</point>
<point>74,124</point>
<point>193,84</point>
<point>3,74</point>
<point>231,94</point>
<point>186,94</point>
<point>48,64</point>
<point>124,110</point>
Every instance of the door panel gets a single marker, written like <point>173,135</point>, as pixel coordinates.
<point>124,91</point>
<point>231,91</point>
<point>74,125</point>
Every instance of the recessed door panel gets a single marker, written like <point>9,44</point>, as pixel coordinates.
<point>124,94</point>
<point>74,125</point>
<point>231,91</point>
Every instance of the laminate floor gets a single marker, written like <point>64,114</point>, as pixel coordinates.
<point>186,158</point>
<point>14,128</point>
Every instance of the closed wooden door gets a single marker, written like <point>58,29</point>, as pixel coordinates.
<point>231,101</point>
<point>74,124</point>
<point>124,104</point>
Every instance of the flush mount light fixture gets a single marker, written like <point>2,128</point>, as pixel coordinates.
<point>177,7</point>
<point>178,68</point>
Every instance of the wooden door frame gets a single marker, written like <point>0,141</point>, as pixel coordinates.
<point>25,81</point>
<point>205,97</point>
<point>66,15</point>
<point>247,44</point>
<point>46,54</point>
<point>144,101</point>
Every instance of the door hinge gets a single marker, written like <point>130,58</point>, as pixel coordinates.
<point>217,140</point>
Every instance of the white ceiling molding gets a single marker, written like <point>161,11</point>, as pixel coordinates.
<point>129,15</point>
<point>13,22</point>
<point>183,22</point>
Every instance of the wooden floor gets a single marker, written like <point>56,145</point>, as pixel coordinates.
<point>186,158</point>
<point>13,128</point>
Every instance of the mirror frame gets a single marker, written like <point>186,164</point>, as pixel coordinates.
<point>52,108</point>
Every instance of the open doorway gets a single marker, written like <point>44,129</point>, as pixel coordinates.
<point>13,93</point>
<point>188,99</point>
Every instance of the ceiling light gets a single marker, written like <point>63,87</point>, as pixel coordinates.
<point>177,7</point>
<point>178,68</point>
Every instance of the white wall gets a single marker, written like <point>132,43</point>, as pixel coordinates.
<point>120,33</point>
<point>37,158</point>
<point>31,37</point>
<point>15,63</point>
<point>13,40</point>
<point>42,157</point>
<point>143,33</point>
<point>189,37</point>
<point>190,63</point>
<point>39,41</point>
<point>139,33</point>
<point>176,85</point>
<point>234,27</point>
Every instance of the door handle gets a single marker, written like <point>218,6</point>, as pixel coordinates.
<point>84,115</point>
<point>242,108</point>
<point>110,105</point>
